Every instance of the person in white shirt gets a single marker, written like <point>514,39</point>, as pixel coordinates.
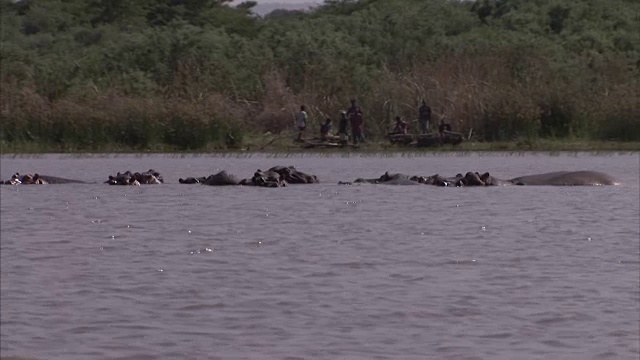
<point>301,121</point>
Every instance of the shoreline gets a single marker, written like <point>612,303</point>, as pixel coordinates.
<point>260,145</point>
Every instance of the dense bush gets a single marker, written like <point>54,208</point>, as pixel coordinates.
<point>90,74</point>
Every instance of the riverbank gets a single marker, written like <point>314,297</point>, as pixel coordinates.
<point>129,79</point>
<point>284,144</point>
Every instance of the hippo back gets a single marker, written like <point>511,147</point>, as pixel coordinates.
<point>567,178</point>
<point>58,180</point>
<point>221,178</point>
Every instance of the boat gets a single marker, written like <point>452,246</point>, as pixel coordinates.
<point>427,140</point>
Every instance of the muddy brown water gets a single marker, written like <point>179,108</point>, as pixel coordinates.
<point>320,271</point>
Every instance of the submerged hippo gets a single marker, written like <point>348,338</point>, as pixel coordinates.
<point>276,176</point>
<point>221,178</point>
<point>269,178</point>
<point>567,178</point>
<point>192,180</point>
<point>37,179</point>
<point>128,178</point>
<point>389,179</point>
<point>572,178</point>
<point>294,176</point>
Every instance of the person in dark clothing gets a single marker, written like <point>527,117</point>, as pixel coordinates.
<point>424,117</point>
<point>342,127</point>
<point>443,127</point>
<point>353,109</point>
<point>447,136</point>
<point>325,129</point>
<point>354,113</point>
<point>401,127</point>
<point>356,128</point>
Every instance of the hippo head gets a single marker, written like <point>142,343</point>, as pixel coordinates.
<point>156,175</point>
<point>38,180</point>
<point>189,180</point>
<point>27,179</point>
<point>149,179</point>
<point>385,177</point>
<point>486,179</point>
<point>473,179</point>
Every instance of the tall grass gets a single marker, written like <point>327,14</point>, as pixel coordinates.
<point>116,120</point>
<point>478,92</point>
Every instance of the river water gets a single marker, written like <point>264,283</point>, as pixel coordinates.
<point>320,271</point>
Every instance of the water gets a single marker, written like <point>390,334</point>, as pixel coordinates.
<point>320,271</point>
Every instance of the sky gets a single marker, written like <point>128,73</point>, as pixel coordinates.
<point>287,1</point>
<point>266,6</point>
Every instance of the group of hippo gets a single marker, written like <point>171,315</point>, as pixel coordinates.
<point>570,178</point>
<point>279,176</point>
<point>129,178</point>
<point>37,179</point>
<point>276,176</point>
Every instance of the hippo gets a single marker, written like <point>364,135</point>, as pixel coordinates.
<point>402,179</point>
<point>192,180</point>
<point>276,176</point>
<point>119,179</point>
<point>269,178</point>
<point>31,180</point>
<point>390,179</point>
<point>221,178</point>
<point>573,178</point>
<point>37,179</point>
<point>293,176</point>
<point>15,179</point>
<point>128,178</point>
<point>566,178</point>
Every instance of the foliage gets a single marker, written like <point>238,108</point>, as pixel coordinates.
<point>87,73</point>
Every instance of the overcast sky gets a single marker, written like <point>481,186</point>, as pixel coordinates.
<point>287,1</point>
<point>266,6</point>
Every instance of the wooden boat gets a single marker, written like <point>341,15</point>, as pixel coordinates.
<point>427,140</point>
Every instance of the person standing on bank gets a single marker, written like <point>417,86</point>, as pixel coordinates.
<point>356,128</point>
<point>325,130</point>
<point>357,120</point>
<point>353,109</point>
<point>301,121</point>
<point>424,116</point>
<point>342,128</point>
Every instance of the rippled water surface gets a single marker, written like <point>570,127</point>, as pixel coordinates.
<point>320,271</point>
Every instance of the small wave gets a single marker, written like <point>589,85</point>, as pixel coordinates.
<point>196,307</point>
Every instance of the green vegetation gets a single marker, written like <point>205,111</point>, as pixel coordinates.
<point>199,75</point>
